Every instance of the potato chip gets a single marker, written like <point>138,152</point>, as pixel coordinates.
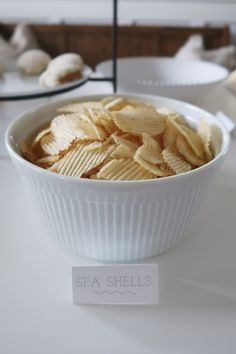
<point>170,135</point>
<point>48,161</point>
<point>125,148</point>
<point>185,150</point>
<point>204,131</point>
<point>79,161</point>
<point>124,142</point>
<point>165,169</point>
<point>150,150</point>
<point>150,167</point>
<point>96,146</point>
<point>39,136</point>
<point>108,125</point>
<point>123,170</point>
<point>99,131</point>
<point>192,138</point>
<point>114,103</point>
<point>176,163</point>
<point>52,145</point>
<point>27,152</point>
<point>78,107</point>
<point>140,120</point>
<point>70,127</point>
<point>165,111</point>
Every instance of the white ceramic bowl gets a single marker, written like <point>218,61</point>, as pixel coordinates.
<point>114,220</point>
<point>182,79</point>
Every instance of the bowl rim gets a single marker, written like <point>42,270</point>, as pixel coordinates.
<point>39,170</point>
<point>223,70</point>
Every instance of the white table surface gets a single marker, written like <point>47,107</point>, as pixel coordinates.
<point>197,311</point>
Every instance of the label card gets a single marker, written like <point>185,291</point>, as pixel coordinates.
<point>116,284</point>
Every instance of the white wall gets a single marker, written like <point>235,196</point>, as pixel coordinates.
<point>129,10</point>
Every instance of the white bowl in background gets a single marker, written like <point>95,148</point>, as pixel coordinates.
<point>114,220</point>
<point>182,79</point>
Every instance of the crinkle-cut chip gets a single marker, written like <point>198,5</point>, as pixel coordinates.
<point>135,139</point>
<point>96,146</point>
<point>27,151</point>
<point>176,163</point>
<point>204,131</point>
<point>123,169</point>
<point>151,149</point>
<point>96,114</point>
<point>135,103</point>
<point>150,167</point>
<point>169,135</point>
<point>152,156</point>
<point>48,161</point>
<point>92,133</point>
<point>216,139</point>
<point>108,125</point>
<point>188,153</point>
<point>39,136</point>
<point>192,138</point>
<point>102,118</point>
<point>178,119</point>
<point>165,168</point>
<point>124,142</point>
<point>53,146</point>
<point>78,161</point>
<point>125,149</point>
<point>165,111</point>
<point>140,120</point>
<point>113,103</point>
<point>150,142</point>
<point>70,127</point>
<point>79,107</point>
<point>99,131</point>
<point>116,104</point>
<point>194,141</point>
<point>91,172</point>
<point>94,176</point>
<point>122,152</point>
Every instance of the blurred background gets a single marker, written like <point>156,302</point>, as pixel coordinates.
<point>150,27</point>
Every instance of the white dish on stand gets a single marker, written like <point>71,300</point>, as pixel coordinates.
<point>169,77</point>
<point>16,86</point>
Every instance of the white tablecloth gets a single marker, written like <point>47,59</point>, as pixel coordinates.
<point>197,311</point>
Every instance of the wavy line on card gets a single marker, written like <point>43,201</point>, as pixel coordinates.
<point>113,292</point>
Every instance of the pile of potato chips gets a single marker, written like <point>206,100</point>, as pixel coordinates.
<point>119,139</point>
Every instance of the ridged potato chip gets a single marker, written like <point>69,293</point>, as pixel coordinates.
<point>40,135</point>
<point>176,163</point>
<point>140,120</point>
<point>27,151</point>
<point>79,161</point>
<point>53,146</point>
<point>188,153</point>
<point>148,166</point>
<point>71,127</point>
<point>78,107</point>
<point>150,150</point>
<point>114,104</point>
<point>100,133</point>
<point>191,136</point>
<point>124,169</point>
<point>48,161</point>
<point>204,131</point>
